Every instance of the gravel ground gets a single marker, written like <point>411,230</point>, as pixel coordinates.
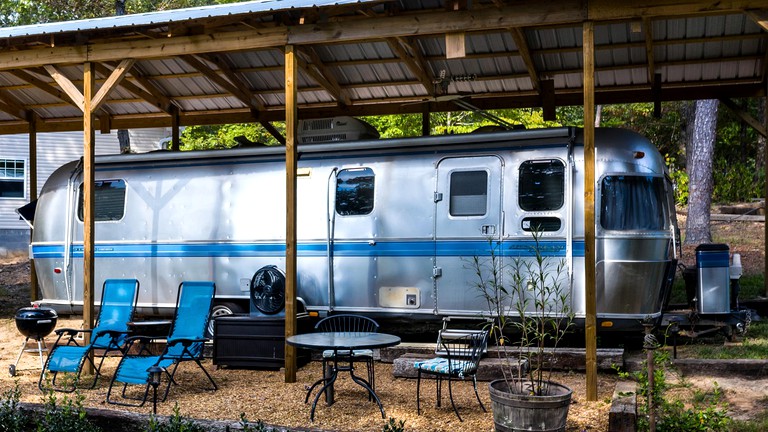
<point>264,394</point>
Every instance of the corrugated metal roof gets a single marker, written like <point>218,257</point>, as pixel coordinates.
<point>169,16</point>
<point>341,74</point>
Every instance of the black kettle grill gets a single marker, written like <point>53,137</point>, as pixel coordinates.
<point>34,323</point>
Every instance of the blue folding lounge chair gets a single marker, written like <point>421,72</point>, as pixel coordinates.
<point>184,343</point>
<point>118,303</point>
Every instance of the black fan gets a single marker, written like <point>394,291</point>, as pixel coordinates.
<point>268,290</point>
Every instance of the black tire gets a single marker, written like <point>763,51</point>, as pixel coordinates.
<point>219,310</point>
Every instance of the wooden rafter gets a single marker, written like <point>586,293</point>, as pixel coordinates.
<point>230,74</point>
<point>34,81</point>
<point>243,95</point>
<point>745,116</point>
<point>12,106</point>
<point>66,85</point>
<point>112,81</point>
<point>413,61</point>
<point>650,58</point>
<point>323,75</point>
<point>760,17</point>
<point>155,98</point>
<point>518,35</point>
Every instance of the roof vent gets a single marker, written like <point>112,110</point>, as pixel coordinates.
<point>335,129</point>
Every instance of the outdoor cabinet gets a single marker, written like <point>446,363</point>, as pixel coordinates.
<point>248,341</point>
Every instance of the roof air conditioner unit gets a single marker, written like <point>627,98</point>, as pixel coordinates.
<point>335,129</point>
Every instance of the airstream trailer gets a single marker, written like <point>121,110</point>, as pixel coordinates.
<point>385,227</point>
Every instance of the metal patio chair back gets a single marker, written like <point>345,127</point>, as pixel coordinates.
<point>459,358</point>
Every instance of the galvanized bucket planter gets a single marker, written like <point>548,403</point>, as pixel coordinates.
<point>513,411</point>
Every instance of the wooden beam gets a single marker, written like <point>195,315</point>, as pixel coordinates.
<point>455,46</point>
<point>89,202</point>
<point>244,95</point>
<point>291,129</point>
<point>323,75</point>
<point>759,16</point>
<point>150,93</point>
<point>156,100</point>
<point>32,119</point>
<point>522,13</point>
<point>175,138</point>
<point>649,56</point>
<point>112,81</point>
<point>590,268</point>
<point>414,62</point>
<point>656,91</point>
<point>745,116</point>
<point>67,86</point>
<point>273,131</point>
<point>12,106</point>
<point>518,35</point>
<point>599,10</point>
<point>40,84</point>
<point>233,77</point>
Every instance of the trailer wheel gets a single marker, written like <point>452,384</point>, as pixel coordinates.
<point>219,310</point>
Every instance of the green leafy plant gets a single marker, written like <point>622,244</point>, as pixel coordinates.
<point>259,426</point>
<point>12,418</point>
<point>175,423</point>
<point>64,415</point>
<point>534,306</point>
<point>706,412</point>
<point>394,426</point>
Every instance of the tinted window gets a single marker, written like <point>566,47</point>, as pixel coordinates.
<point>110,200</point>
<point>354,191</point>
<point>542,185</point>
<point>469,193</point>
<point>11,178</point>
<point>633,203</point>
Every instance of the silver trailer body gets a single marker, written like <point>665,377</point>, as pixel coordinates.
<point>385,227</point>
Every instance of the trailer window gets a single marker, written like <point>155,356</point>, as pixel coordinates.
<point>542,185</point>
<point>12,178</point>
<point>110,200</point>
<point>633,203</point>
<point>354,191</point>
<point>469,193</point>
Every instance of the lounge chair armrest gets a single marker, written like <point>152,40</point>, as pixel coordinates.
<point>186,341</point>
<point>71,331</point>
<point>140,338</point>
<point>114,334</point>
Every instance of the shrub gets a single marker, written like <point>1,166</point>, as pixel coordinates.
<point>12,419</point>
<point>65,415</point>
<point>175,423</point>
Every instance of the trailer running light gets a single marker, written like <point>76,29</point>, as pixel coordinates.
<point>57,270</point>
<point>639,155</point>
<point>606,324</point>
<point>314,314</point>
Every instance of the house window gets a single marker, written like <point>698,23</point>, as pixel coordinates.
<point>110,200</point>
<point>354,191</point>
<point>542,185</point>
<point>469,193</point>
<point>12,177</point>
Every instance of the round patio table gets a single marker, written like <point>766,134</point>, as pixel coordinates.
<point>341,341</point>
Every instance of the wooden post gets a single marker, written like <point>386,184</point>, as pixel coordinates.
<point>174,128</point>
<point>765,201</point>
<point>291,114</point>
<point>89,203</point>
<point>426,127</point>
<point>589,211</point>
<point>32,195</point>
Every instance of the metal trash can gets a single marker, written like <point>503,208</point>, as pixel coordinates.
<point>713,293</point>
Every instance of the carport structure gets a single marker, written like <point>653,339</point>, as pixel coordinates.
<point>285,60</point>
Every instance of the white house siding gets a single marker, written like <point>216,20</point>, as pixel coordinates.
<point>54,150</point>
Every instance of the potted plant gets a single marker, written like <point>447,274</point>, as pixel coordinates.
<point>529,302</point>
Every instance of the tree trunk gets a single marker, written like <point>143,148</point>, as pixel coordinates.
<point>125,141</point>
<point>699,160</point>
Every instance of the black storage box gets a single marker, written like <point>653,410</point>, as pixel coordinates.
<point>247,341</point>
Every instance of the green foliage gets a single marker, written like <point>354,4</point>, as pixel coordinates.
<point>679,179</point>
<point>12,418</point>
<point>706,412</point>
<point>175,423</point>
<point>737,181</point>
<point>259,426</point>
<point>65,415</point>
<point>224,136</point>
<point>539,300</point>
<point>394,426</point>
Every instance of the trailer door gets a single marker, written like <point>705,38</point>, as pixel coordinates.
<point>468,215</point>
